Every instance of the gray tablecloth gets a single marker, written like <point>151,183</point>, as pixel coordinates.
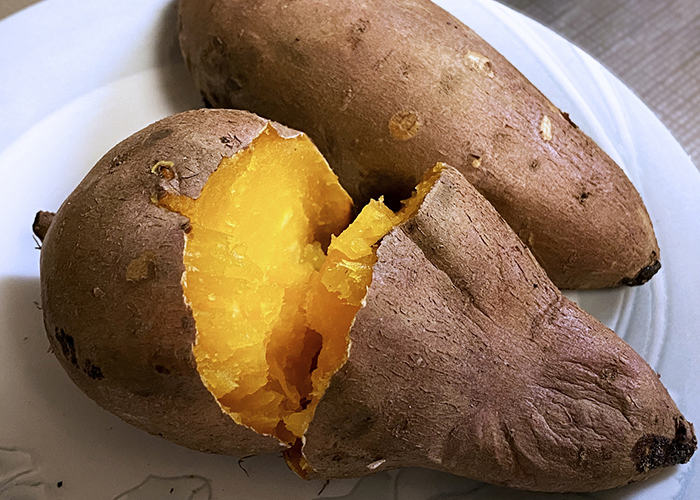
<point>651,45</point>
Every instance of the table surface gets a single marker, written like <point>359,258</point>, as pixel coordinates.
<point>653,46</point>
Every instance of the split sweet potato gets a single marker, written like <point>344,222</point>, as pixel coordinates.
<point>209,283</point>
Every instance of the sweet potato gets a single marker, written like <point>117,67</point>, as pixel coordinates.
<point>387,89</point>
<point>205,283</point>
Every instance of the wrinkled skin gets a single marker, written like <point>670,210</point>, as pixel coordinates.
<point>467,359</point>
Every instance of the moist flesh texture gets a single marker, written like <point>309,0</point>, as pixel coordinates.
<point>275,274</point>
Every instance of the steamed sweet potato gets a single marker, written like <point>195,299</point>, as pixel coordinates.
<point>207,283</point>
<point>387,89</point>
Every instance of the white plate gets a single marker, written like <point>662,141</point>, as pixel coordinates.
<point>77,77</point>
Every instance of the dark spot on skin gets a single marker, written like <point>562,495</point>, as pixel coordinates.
<point>92,371</point>
<point>67,346</point>
<point>534,165</point>
<point>583,197</point>
<point>162,370</point>
<point>652,451</point>
<point>186,227</point>
<point>159,135</point>
<point>59,484</point>
<point>231,140</point>
<point>296,40</point>
<point>534,285</point>
<point>643,276</point>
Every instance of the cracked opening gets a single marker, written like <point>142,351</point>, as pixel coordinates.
<point>275,274</point>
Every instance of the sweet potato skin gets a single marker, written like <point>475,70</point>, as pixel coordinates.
<point>467,359</point>
<point>387,89</point>
<point>111,265</point>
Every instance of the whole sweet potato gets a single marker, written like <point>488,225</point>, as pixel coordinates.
<point>388,88</point>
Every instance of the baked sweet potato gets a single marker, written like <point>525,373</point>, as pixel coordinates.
<point>207,283</point>
<point>387,89</point>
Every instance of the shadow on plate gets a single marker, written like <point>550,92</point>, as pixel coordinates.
<point>177,84</point>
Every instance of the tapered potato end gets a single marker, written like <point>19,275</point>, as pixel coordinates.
<point>467,359</point>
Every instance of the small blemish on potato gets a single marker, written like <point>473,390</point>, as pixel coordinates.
<point>118,160</point>
<point>230,141</point>
<point>357,30</point>
<point>583,197</point>
<point>97,292</point>
<point>404,125</point>
<point>141,268</point>
<point>546,128</point>
<point>162,369</point>
<point>534,165</point>
<point>92,371</point>
<point>377,463</point>
<point>67,346</point>
<point>347,97</point>
<point>609,374</point>
<point>164,170</point>
<point>480,63</point>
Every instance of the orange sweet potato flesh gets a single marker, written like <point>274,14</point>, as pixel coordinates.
<point>274,277</point>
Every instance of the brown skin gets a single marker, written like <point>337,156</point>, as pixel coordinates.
<point>387,89</point>
<point>119,325</point>
<point>467,359</point>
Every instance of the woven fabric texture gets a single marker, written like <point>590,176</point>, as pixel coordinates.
<point>653,46</point>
